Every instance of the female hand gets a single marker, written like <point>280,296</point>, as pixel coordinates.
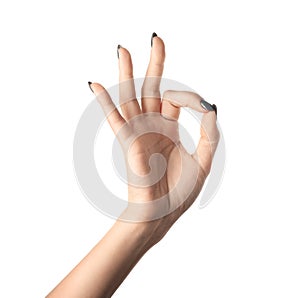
<point>163,178</point>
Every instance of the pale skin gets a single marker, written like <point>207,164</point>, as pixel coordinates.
<point>104,268</point>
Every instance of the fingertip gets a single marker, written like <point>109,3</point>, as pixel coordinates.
<point>96,88</point>
<point>206,105</point>
<point>156,40</point>
<point>123,53</point>
<point>152,36</point>
<point>125,64</point>
<point>158,49</point>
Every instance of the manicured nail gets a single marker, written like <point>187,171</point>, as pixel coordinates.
<point>207,106</point>
<point>90,83</point>
<point>153,35</point>
<point>215,108</point>
<point>119,47</point>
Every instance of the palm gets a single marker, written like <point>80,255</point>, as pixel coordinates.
<point>157,164</point>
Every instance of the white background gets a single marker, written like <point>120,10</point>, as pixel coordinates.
<point>241,55</point>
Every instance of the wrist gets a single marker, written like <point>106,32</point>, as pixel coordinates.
<point>141,233</point>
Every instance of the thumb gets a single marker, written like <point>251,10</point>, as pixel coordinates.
<point>209,138</point>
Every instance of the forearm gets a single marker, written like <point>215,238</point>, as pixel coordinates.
<point>101,272</point>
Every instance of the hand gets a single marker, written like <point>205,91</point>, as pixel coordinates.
<point>163,178</point>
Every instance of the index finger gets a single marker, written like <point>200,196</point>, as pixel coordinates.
<point>173,100</point>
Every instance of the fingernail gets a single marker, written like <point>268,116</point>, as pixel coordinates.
<point>90,83</point>
<point>119,47</point>
<point>153,35</point>
<point>215,108</point>
<point>207,106</point>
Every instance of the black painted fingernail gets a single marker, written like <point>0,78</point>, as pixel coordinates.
<point>118,48</point>
<point>90,83</point>
<point>153,35</point>
<point>215,108</point>
<point>207,106</point>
